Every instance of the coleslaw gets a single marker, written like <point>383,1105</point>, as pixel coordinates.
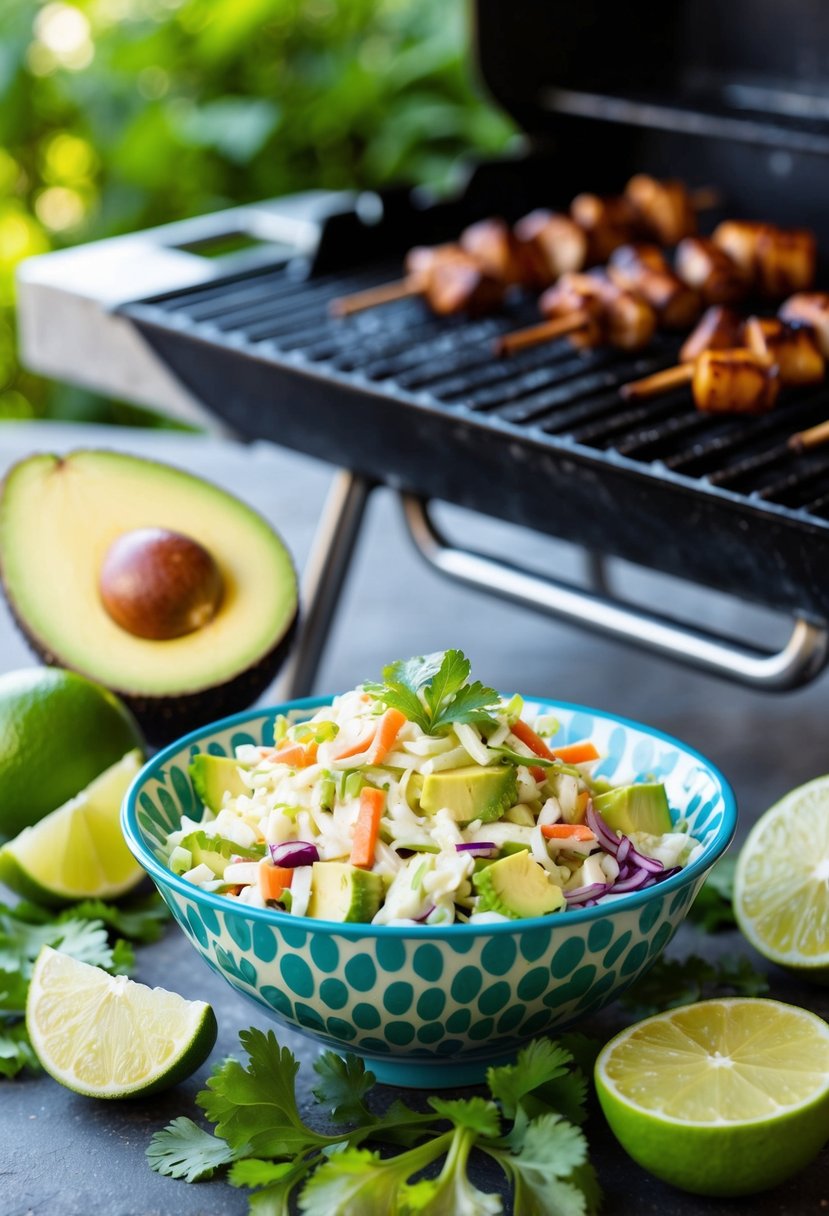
<point>424,799</point>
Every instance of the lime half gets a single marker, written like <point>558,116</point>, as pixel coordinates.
<point>781,884</point>
<point>77,851</point>
<point>723,1097</point>
<point>107,1037</point>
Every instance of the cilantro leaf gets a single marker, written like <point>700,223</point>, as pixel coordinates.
<point>13,987</point>
<point>140,921</point>
<point>253,1171</point>
<point>414,673</point>
<point>475,1114</point>
<point>474,704</point>
<point>548,1170</point>
<point>185,1150</point>
<point>671,983</point>
<point>542,1079</point>
<point>123,958</point>
<point>359,1180</point>
<point>440,680</point>
<point>16,1052</point>
<point>447,680</point>
<point>713,907</point>
<point>344,1083</point>
<point>255,1108</point>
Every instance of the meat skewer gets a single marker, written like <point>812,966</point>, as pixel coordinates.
<point>449,278</point>
<point>810,308</point>
<point>645,270</point>
<point>544,245</point>
<point>592,311</point>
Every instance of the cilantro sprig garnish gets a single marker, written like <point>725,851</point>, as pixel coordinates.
<point>433,691</point>
<point>92,931</point>
<point>528,1125</point>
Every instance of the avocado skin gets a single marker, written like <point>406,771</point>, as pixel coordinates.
<point>164,719</point>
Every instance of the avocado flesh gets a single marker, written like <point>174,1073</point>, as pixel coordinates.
<point>470,793</point>
<point>517,886</point>
<point>636,808</point>
<point>58,518</point>
<point>342,892</point>
<point>215,776</point>
<point>215,852</point>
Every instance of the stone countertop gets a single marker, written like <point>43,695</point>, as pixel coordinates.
<point>63,1155</point>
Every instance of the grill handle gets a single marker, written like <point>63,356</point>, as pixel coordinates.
<point>800,660</point>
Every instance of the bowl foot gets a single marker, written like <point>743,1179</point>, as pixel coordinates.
<point>435,1074</point>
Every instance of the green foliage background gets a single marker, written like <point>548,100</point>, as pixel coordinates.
<point>119,114</point>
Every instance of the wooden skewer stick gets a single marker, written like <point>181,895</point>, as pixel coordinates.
<point>804,441</point>
<point>535,335</point>
<point>658,383</point>
<point>383,293</point>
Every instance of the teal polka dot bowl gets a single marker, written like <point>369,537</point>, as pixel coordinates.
<point>434,1006</point>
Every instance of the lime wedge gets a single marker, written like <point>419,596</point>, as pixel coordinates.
<point>724,1097</point>
<point>77,851</point>
<point>107,1037</point>
<point>781,883</point>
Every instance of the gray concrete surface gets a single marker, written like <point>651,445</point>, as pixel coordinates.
<point>65,1156</point>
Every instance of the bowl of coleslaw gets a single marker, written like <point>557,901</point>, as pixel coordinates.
<point>423,871</point>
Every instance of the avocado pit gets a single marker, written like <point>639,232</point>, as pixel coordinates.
<point>158,584</point>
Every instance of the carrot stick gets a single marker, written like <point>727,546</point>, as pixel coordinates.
<point>576,753</point>
<point>367,826</point>
<point>537,774</point>
<point>582,803</point>
<point>531,740</point>
<point>273,880</point>
<point>567,831</point>
<point>387,731</point>
<point>292,753</point>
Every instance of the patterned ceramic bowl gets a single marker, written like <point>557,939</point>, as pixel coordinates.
<point>427,1005</point>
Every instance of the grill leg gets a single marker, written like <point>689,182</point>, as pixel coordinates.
<point>323,580</point>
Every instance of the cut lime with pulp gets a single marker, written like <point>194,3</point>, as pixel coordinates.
<point>107,1037</point>
<point>77,851</point>
<point>781,883</point>
<point>724,1097</point>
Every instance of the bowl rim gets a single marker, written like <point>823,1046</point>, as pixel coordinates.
<point>421,933</point>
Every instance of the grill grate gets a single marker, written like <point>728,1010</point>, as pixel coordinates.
<point>549,399</point>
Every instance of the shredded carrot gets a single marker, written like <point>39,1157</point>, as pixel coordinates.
<point>576,753</point>
<point>388,729</point>
<point>273,880</point>
<point>533,741</point>
<point>367,826</point>
<point>567,831</point>
<point>297,754</point>
<point>582,803</point>
<point>537,774</point>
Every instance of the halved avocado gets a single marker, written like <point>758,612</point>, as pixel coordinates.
<point>59,519</point>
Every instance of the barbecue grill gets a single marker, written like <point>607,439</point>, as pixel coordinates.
<point>732,95</point>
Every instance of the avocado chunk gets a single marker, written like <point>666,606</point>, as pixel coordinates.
<point>636,808</point>
<point>340,891</point>
<point>470,793</point>
<point>215,776</point>
<point>59,519</point>
<point>216,851</point>
<point>517,886</point>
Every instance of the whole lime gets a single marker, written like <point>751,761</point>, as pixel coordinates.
<point>58,731</point>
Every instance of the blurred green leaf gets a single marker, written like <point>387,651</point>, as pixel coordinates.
<point>162,109</point>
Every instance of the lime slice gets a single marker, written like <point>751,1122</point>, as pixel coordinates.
<point>107,1037</point>
<point>781,883</point>
<point>723,1097</point>
<point>77,851</point>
